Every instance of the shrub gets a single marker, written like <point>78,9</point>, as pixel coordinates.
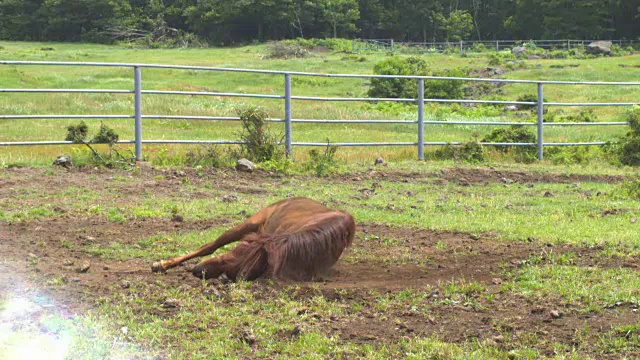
<point>260,144</point>
<point>579,155</point>
<point>514,134</point>
<point>397,88</point>
<point>529,98</point>
<point>630,189</point>
<point>286,50</point>
<point>446,89</point>
<point>408,88</point>
<point>207,156</point>
<point>322,163</point>
<point>471,151</point>
<point>628,148</point>
<point>106,135</point>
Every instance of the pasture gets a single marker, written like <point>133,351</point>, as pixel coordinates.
<point>253,57</point>
<point>448,262</point>
<point>498,260</point>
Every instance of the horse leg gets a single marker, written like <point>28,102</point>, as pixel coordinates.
<point>246,261</point>
<point>234,234</point>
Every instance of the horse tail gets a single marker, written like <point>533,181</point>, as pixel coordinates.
<point>250,260</point>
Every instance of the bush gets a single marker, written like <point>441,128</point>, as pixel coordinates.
<point>106,135</point>
<point>629,149</point>
<point>259,142</point>
<point>408,88</point>
<point>331,44</point>
<point>286,50</point>
<point>629,189</point>
<point>445,89</point>
<point>514,134</point>
<point>207,156</point>
<point>529,98</point>
<point>397,88</point>
<point>471,151</point>
<point>322,163</point>
<point>578,155</point>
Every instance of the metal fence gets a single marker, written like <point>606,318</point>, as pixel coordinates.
<point>288,98</point>
<point>463,46</point>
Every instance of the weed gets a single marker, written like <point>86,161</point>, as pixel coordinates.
<point>322,163</point>
<point>106,135</point>
<point>259,142</point>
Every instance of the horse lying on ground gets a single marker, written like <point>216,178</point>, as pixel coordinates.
<point>292,239</point>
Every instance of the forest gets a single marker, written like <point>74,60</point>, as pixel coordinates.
<point>220,23</point>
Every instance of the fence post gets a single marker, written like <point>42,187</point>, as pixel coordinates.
<point>540,121</point>
<point>497,45</point>
<point>460,47</point>
<point>420,119</point>
<point>569,44</point>
<point>137,103</point>
<point>391,45</point>
<point>287,113</point>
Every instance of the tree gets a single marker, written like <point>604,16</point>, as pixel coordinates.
<point>457,26</point>
<point>340,13</point>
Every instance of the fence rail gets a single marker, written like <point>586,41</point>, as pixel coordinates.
<point>288,98</point>
<point>461,46</point>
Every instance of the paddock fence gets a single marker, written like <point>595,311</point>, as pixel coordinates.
<point>463,46</point>
<point>287,98</point>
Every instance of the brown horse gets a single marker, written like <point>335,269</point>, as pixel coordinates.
<point>292,239</point>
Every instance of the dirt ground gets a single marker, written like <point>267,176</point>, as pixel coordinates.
<point>424,267</point>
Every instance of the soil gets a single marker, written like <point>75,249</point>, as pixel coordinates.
<point>53,248</point>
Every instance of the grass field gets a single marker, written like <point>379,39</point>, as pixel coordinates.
<point>448,263</point>
<point>499,260</point>
<point>602,69</point>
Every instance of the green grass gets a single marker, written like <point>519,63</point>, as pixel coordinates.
<point>583,289</point>
<point>603,69</point>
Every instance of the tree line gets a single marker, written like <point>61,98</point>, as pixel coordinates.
<point>228,22</point>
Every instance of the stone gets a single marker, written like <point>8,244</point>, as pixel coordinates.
<point>245,165</point>
<point>64,161</point>
<point>599,48</point>
<point>379,161</point>
<point>519,51</point>
<point>510,108</point>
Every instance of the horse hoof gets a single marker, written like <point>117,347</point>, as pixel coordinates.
<point>157,267</point>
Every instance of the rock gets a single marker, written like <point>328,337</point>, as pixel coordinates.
<point>548,194</point>
<point>64,161</point>
<point>634,220</point>
<point>84,267</point>
<point>144,165</point>
<point>248,338</point>
<point>177,218</point>
<point>495,71</point>
<point>510,108</point>
<point>229,198</point>
<point>379,161</point>
<point>533,57</point>
<point>125,284</point>
<point>170,304</point>
<point>519,51</point>
<point>556,314</point>
<point>599,48</point>
<point>245,165</point>
<point>68,262</point>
